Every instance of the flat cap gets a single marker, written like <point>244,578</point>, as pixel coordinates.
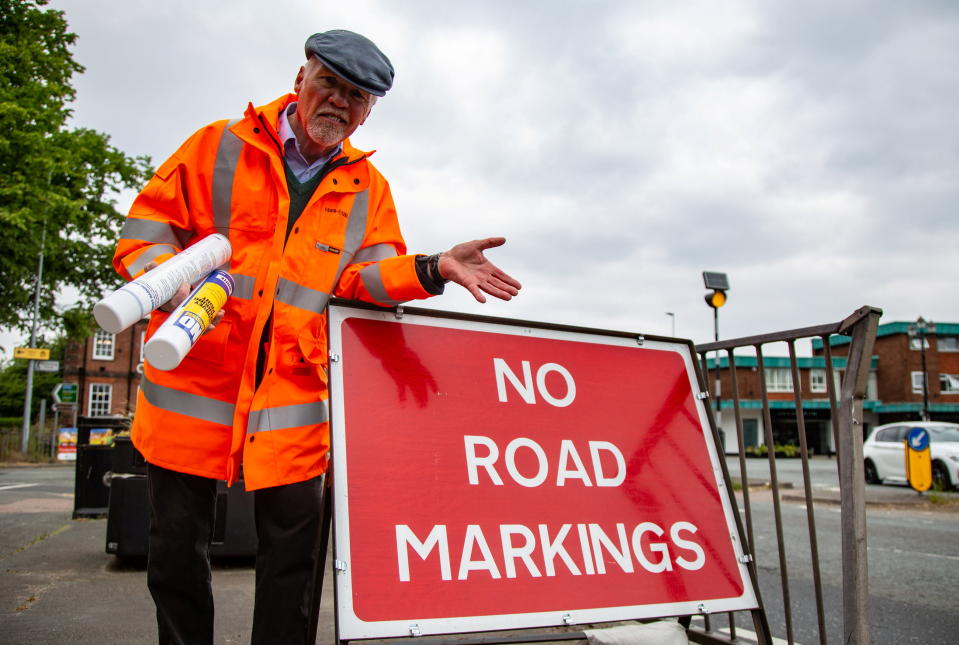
<point>354,58</point>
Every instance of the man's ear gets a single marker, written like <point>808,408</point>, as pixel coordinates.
<point>299,79</point>
<point>368,111</point>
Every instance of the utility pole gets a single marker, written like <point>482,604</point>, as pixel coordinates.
<point>921,329</point>
<point>28,397</point>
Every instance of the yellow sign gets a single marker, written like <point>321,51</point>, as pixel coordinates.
<point>918,460</point>
<point>33,353</point>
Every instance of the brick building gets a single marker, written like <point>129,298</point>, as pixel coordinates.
<point>107,369</point>
<point>900,394</point>
<point>780,392</point>
<point>894,391</point>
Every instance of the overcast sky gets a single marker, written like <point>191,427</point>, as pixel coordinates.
<point>810,150</point>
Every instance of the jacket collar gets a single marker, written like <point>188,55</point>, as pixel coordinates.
<point>261,123</point>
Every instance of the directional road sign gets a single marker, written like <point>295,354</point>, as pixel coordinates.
<point>65,393</point>
<point>918,461</point>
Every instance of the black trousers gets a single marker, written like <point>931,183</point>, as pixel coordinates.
<point>288,524</point>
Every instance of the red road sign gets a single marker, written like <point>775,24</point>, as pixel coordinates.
<point>492,476</point>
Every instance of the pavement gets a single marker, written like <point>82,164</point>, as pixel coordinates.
<point>59,586</point>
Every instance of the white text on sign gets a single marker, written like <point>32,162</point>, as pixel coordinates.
<point>587,553</point>
<point>525,387</point>
<point>569,465</point>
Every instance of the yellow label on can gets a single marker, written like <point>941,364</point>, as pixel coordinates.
<point>197,312</point>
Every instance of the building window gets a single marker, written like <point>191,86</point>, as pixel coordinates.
<point>914,342</point>
<point>817,380</point>
<point>779,379</point>
<point>949,383</point>
<point>917,382</point>
<point>103,345</point>
<point>101,395</point>
<point>947,343</point>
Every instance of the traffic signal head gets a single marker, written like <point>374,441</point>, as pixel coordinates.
<point>716,298</point>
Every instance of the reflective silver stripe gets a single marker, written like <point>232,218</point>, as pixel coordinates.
<point>375,253</point>
<point>191,405</point>
<point>148,230</point>
<point>227,157</point>
<point>373,282</point>
<point>296,295</point>
<point>242,286</point>
<point>355,231</point>
<point>147,256</point>
<point>287,416</point>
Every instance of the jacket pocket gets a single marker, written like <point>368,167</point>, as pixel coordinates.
<point>211,347</point>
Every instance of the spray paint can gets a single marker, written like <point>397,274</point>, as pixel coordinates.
<point>136,299</point>
<point>173,340</point>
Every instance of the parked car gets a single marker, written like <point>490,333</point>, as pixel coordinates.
<point>884,452</point>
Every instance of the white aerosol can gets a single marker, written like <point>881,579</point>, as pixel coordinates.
<point>173,340</point>
<point>136,299</point>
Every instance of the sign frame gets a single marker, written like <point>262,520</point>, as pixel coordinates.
<point>351,627</point>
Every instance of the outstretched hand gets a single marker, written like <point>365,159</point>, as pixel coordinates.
<point>466,265</point>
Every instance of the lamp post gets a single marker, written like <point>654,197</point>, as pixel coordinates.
<point>719,283</point>
<point>672,317</point>
<point>920,329</point>
<point>28,395</point>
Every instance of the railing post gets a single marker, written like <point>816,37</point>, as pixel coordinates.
<point>855,572</point>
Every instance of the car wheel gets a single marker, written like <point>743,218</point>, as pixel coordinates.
<point>940,476</point>
<point>872,475</point>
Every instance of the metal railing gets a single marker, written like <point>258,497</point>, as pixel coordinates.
<point>846,414</point>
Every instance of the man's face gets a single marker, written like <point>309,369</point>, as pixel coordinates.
<point>328,108</point>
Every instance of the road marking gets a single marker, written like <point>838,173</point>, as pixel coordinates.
<point>904,552</point>
<point>12,486</point>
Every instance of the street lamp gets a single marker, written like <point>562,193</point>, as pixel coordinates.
<point>719,283</point>
<point>920,329</point>
<point>672,317</point>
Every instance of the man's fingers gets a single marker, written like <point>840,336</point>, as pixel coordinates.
<point>490,243</point>
<point>216,320</point>
<point>508,279</point>
<point>480,298</point>
<point>177,298</point>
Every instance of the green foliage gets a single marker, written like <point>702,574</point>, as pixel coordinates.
<point>78,323</point>
<point>786,450</point>
<point>56,184</point>
<point>13,381</point>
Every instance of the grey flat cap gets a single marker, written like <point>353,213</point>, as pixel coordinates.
<point>354,58</point>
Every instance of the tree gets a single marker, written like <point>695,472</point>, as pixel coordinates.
<point>57,185</point>
<point>13,375</point>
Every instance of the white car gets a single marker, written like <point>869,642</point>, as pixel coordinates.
<point>885,454</point>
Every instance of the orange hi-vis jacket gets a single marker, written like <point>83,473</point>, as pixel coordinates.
<point>209,413</point>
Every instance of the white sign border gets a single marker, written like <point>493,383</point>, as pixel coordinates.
<point>351,627</point>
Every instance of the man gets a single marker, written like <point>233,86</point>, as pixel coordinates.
<point>308,217</point>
